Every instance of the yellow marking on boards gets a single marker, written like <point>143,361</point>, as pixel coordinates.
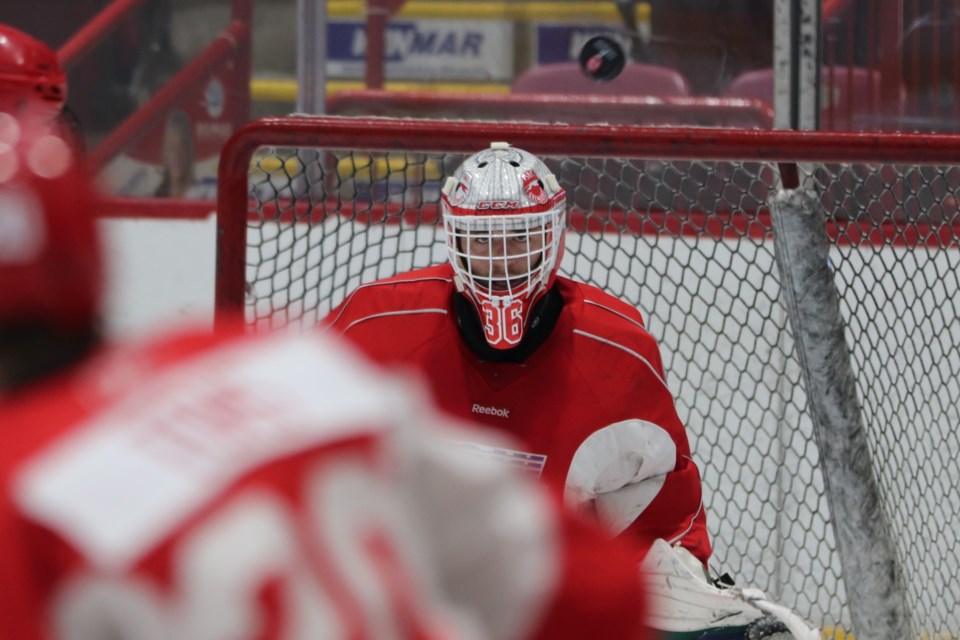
<point>541,11</point>
<point>282,90</point>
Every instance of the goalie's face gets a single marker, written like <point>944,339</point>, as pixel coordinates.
<point>504,265</point>
<point>504,261</point>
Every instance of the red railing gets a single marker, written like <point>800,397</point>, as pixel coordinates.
<point>378,15</point>
<point>95,31</point>
<point>232,45</point>
<point>161,208</point>
<point>224,47</point>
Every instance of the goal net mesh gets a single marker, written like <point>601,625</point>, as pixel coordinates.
<point>690,244</point>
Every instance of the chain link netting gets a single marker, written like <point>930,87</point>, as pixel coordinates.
<point>690,245</point>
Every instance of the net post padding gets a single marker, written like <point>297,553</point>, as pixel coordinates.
<point>876,595</point>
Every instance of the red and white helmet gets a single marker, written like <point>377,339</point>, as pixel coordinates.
<point>50,257</point>
<point>30,75</point>
<point>505,216</point>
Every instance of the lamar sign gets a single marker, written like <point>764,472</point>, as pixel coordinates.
<point>426,50</point>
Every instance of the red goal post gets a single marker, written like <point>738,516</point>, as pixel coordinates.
<point>689,226</point>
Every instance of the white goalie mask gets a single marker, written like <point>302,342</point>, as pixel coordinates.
<point>504,215</point>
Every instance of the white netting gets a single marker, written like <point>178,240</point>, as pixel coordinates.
<point>689,243</point>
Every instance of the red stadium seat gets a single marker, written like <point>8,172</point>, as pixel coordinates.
<point>636,79</point>
<point>850,97</point>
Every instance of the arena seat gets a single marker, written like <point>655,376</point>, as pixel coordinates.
<point>850,97</point>
<point>636,79</point>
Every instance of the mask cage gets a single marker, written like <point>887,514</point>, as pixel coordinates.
<point>504,255</point>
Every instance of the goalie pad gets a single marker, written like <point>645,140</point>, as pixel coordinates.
<point>681,599</point>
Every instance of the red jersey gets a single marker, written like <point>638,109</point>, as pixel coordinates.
<point>210,488</point>
<point>590,405</point>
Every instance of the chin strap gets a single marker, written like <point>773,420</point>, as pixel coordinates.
<point>682,599</point>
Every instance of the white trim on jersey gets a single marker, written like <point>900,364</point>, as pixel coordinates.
<point>636,355</point>
<point>387,314</point>
<point>677,538</point>
<point>378,283</point>
<point>617,313</point>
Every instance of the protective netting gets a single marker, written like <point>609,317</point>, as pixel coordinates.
<point>689,243</point>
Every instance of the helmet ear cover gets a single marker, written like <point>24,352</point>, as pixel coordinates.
<point>504,214</point>
<point>50,256</point>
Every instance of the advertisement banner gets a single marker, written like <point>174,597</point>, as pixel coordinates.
<point>480,50</point>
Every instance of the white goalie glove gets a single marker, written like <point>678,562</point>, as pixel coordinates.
<point>682,600</point>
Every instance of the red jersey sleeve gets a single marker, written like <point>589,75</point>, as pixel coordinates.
<point>637,472</point>
<point>390,319</point>
<point>20,613</point>
<point>597,593</point>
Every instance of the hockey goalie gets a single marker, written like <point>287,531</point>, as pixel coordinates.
<point>563,367</point>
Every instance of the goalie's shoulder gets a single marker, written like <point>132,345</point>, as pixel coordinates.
<point>605,316</point>
<point>428,289</point>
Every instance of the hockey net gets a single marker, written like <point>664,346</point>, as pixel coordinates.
<point>678,223</point>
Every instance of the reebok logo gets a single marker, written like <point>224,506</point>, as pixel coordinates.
<point>491,411</point>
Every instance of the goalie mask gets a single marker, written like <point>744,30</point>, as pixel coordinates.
<point>504,215</point>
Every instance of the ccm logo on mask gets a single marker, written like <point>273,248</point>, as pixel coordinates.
<point>498,204</point>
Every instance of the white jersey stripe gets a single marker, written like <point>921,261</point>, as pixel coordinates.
<point>677,538</point>
<point>617,313</point>
<point>380,283</point>
<point>386,314</point>
<point>626,350</point>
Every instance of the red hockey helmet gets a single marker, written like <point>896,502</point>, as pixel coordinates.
<point>50,258</point>
<point>504,214</point>
<point>30,75</point>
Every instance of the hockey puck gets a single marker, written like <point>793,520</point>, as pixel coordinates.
<point>602,58</point>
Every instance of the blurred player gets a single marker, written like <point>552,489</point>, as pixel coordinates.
<point>193,486</point>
